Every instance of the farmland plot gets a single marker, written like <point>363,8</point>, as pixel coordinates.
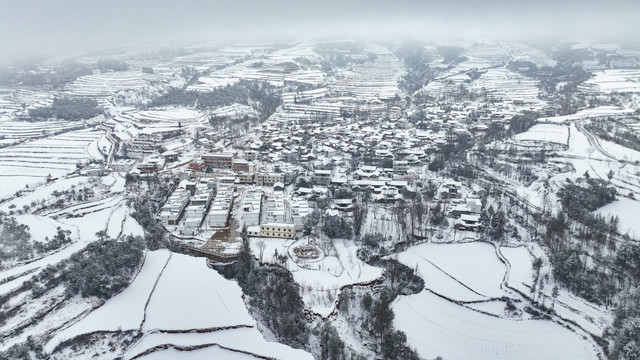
<point>436,325</point>
<point>30,163</point>
<point>203,311</point>
<point>466,272</point>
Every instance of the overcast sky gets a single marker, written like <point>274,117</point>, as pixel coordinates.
<point>71,26</point>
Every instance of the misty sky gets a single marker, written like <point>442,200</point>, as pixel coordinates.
<point>72,26</point>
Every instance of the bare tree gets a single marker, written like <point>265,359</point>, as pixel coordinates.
<point>261,246</point>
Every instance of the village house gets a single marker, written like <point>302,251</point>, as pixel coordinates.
<point>124,165</point>
<point>468,223</point>
<point>273,230</point>
<point>172,210</point>
<point>268,179</point>
<point>322,177</point>
<point>218,161</point>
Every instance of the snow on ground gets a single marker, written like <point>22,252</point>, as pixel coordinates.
<point>83,231</point>
<point>115,181</point>
<point>590,317</point>
<point>545,133</point>
<point>10,184</point>
<point>208,353</point>
<point>579,146</point>
<point>437,327</point>
<point>114,225</point>
<point>504,84</point>
<point>496,307</point>
<point>466,271</point>
<point>180,293</point>
<point>619,152</point>
<point>48,323</point>
<point>40,193</point>
<point>90,223</point>
<point>618,80</point>
<point>521,260</point>
<point>189,295</point>
<point>320,279</point>
<point>525,53</point>
<point>600,111</point>
<point>40,227</point>
<point>627,211</point>
<point>109,83</point>
<point>242,339</point>
<point>132,227</point>
<point>32,162</point>
<point>128,305</point>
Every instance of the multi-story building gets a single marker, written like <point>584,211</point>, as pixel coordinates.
<point>274,230</point>
<point>218,161</point>
<point>322,177</point>
<point>400,167</point>
<point>197,165</point>
<point>275,208</point>
<point>240,165</point>
<point>220,207</point>
<point>251,155</point>
<point>300,209</point>
<point>246,178</point>
<point>268,179</point>
<point>251,207</point>
<point>173,209</point>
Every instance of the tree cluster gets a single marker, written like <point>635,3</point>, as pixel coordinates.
<point>579,199</point>
<point>451,54</point>
<point>144,210</point>
<point>28,350</point>
<point>415,59</point>
<point>261,95</point>
<point>591,283</point>
<point>275,296</point>
<point>68,109</point>
<point>520,123</point>
<point>105,65</point>
<point>337,227</point>
<point>102,269</point>
<point>26,74</point>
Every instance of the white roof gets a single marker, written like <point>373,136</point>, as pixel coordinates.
<point>470,217</point>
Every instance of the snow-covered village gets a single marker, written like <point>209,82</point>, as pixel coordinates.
<point>323,199</point>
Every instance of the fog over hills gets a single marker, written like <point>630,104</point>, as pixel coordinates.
<point>68,26</point>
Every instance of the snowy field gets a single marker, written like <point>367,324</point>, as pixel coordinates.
<point>437,327</point>
<point>465,272</point>
<point>507,85</point>
<point>15,131</point>
<point>601,111</point>
<point>525,53</point>
<point>614,80</point>
<point>271,67</point>
<point>627,211</point>
<point>107,84</point>
<point>437,324</point>
<point>557,134</point>
<point>373,80</point>
<point>56,156</point>
<point>180,293</point>
<point>130,122</point>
